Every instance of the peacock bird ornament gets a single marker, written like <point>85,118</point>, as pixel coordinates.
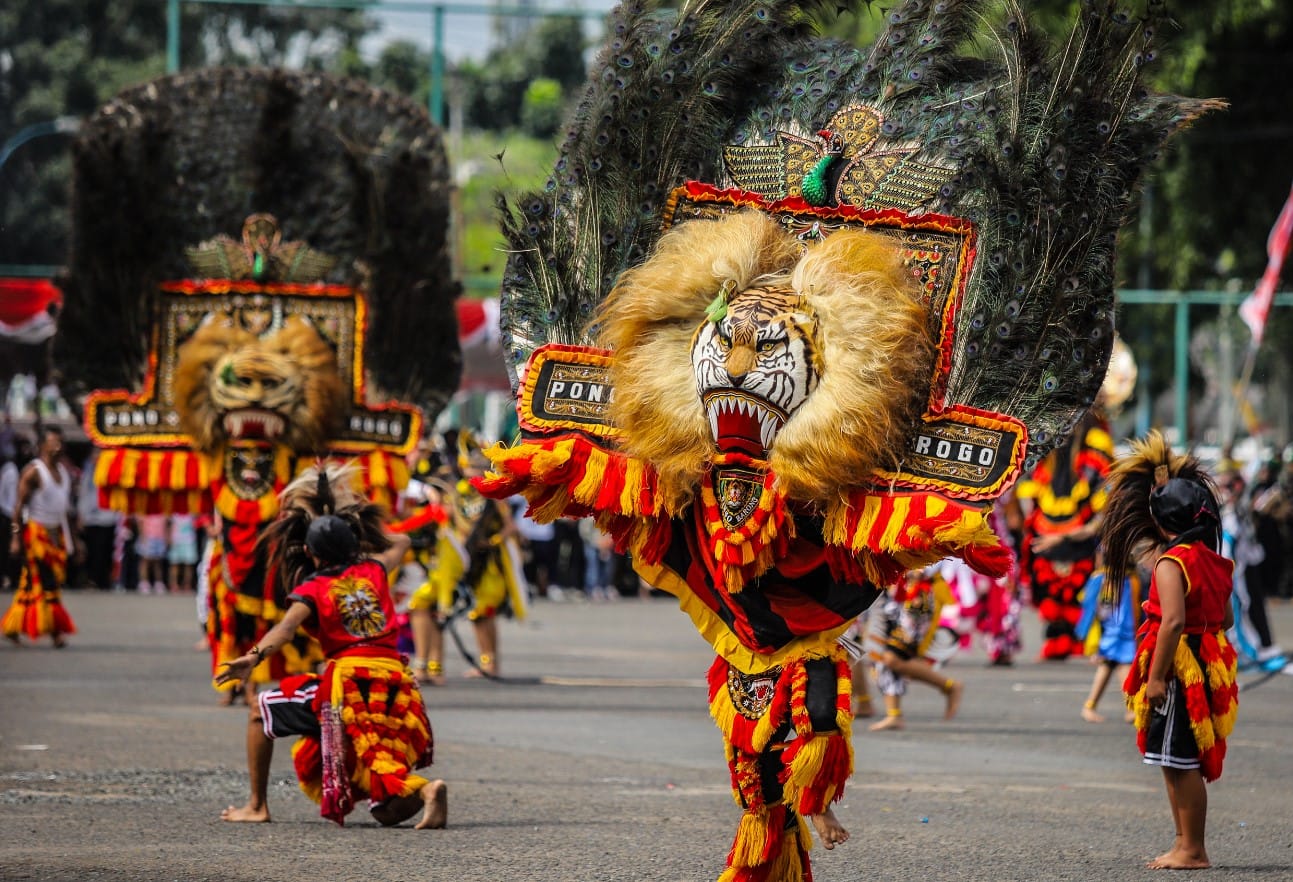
<point>790,314</point>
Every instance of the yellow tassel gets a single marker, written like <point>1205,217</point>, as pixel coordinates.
<point>901,510</point>
<point>553,508</point>
<point>544,462</point>
<point>594,473</point>
<point>805,835</point>
<point>805,768</point>
<point>633,476</point>
<point>970,528</point>
<point>1225,724</point>
<point>870,511</point>
<point>751,839</point>
<point>788,866</point>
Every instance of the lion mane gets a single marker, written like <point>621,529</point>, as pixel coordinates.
<point>284,387</point>
<point>877,355</point>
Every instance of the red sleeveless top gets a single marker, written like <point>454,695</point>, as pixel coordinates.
<point>1208,582</point>
<point>352,608</point>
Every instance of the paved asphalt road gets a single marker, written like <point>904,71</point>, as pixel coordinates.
<point>598,763</point>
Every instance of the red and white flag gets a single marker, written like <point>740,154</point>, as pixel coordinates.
<point>1257,305</point>
<point>27,309</point>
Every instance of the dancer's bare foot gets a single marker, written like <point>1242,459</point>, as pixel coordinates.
<point>435,812</point>
<point>953,692</point>
<point>247,814</point>
<point>829,829</point>
<point>1089,714</point>
<point>891,721</point>
<point>862,707</point>
<point>401,808</point>
<point>1181,859</point>
<point>1176,844</point>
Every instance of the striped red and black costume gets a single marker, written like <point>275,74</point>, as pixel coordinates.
<point>779,689</point>
<point>1067,489</point>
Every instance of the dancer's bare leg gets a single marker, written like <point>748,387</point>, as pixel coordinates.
<point>829,829</point>
<point>892,715</point>
<point>435,655</point>
<point>487,641</point>
<point>423,628</point>
<point>1103,672</point>
<point>915,669</point>
<point>1189,796</point>
<point>260,752</point>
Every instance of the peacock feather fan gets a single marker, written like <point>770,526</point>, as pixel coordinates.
<point>664,96</point>
<point>1040,145</point>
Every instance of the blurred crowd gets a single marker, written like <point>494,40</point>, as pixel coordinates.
<point>155,554</point>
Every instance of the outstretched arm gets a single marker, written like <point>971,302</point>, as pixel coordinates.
<point>240,668</point>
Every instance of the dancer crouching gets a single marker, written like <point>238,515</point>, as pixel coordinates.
<point>362,724</point>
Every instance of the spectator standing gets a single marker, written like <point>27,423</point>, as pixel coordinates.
<point>182,554</point>
<point>99,528</point>
<point>151,548</point>
<point>8,501</point>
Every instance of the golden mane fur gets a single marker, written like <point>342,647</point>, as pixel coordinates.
<point>875,345</point>
<point>308,392</point>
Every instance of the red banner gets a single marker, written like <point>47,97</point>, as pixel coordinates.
<point>1257,306</point>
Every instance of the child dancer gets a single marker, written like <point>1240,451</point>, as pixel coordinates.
<point>901,625</point>
<point>362,724</point>
<point>1182,686</point>
<point>1114,608</point>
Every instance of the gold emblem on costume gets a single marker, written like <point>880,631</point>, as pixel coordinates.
<point>752,693</point>
<point>851,163</point>
<point>261,255</point>
<point>738,494</point>
<point>358,607</point>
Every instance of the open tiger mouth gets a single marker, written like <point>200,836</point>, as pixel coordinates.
<point>740,421</point>
<point>254,424</point>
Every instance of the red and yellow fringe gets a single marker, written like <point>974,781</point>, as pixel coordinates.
<point>1212,708</point>
<point>747,552</point>
<point>880,536</point>
<point>389,733</point>
<point>816,766</point>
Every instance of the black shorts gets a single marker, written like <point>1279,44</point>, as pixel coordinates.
<point>1170,740</point>
<point>289,709</point>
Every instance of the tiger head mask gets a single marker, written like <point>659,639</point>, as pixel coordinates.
<point>816,358</point>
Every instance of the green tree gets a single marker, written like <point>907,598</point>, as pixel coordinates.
<point>68,57</point>
<point>494,90</point>
<point>541,108</point>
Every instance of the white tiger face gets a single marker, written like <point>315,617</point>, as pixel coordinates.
<point>755,367</point>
